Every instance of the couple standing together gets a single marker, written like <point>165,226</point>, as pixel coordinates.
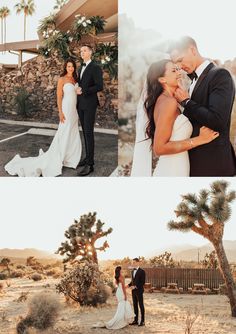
<point>76,95</point>
<point>196,141</point>
<point>124,314</point>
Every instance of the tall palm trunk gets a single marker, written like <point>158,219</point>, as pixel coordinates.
<point>226,273</point>
<point>24,27</point>
<point>1,30</point>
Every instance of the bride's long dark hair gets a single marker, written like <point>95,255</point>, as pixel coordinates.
<point>154,90</point>
<point>117,274</point>
<point>64,72</point>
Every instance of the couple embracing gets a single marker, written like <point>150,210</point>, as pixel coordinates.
<point>76,98</point>
<point>189,130</point>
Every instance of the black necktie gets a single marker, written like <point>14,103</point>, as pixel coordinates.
<point>193,75</point>
<point>83,64</point>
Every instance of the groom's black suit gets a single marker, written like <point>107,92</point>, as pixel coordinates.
<point>211,106</point>
<point>137,294</point>
<point>91,83</point>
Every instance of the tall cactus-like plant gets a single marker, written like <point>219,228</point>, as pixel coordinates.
<point>82,237</point>
<point>206,215</point>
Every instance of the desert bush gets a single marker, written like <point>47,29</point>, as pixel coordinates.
<point>85,285</point>
<point>36,277</point>
<point>17,274</point>
<point>3,276</point>
<point>20,266</point>
<point>43,311</point>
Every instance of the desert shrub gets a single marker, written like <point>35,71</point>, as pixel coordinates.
<point>23,102</point>
<point>36,277</point>
<point>20,266</point>
<point>85,285</point>
<point>51,272</point>
<point>16,274</point>
<point>43,311</point>
<point>3,276</point>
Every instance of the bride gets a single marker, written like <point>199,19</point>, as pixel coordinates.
<point>161,127</point>
<point>65,149</point>
<point>124,314</point>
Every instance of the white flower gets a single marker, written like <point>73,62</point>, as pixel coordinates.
<point>46,52</point>
<point>107,58</point>
<point>103,61</point>
<point>84,24</point>
<point>44,33</point>
<point>83,18</point>
<point>47,35</point>
<point>70,39</point>
<point>88,21</point>
<point>78,15</point>
<point>79,21</point>
<point>68,31</point>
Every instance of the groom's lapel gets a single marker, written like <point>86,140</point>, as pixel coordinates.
<point>201,78</point>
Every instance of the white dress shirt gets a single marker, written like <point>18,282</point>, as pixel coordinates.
<point>135,271</point>
<point>84,67</point>
<point>198,71</point>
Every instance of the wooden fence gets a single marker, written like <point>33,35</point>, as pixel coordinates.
<point>185,278</point>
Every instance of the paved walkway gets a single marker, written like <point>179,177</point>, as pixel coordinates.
<point>27,140</point>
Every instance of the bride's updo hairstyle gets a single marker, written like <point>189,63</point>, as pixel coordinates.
<point>154,90</point>
<point>69,60</point>
<point>117,274</point>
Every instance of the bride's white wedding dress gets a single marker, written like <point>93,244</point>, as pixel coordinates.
<point>124,314</point>
<point>65,149</point>
<point>176,164</point>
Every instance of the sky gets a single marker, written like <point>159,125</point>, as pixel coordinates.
<point>211,22</point>
<point>15,24</point>
<point>36,212</point>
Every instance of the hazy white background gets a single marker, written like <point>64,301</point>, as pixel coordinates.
<point>15,24</point>
<point>210,22</point>
<point>35,213</point>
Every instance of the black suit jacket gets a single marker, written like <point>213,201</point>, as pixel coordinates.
<point>211,105</point>
<point>91,83</point>
<point>138,280</point>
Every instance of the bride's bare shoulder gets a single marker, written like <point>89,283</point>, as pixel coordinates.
<point>166,104</point>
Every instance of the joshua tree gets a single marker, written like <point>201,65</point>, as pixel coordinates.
<point>5,14</point>
<point>164,259</point>
<point>206,214</point>
<point>210,260</point>
<point>6,263</point>
<point>81,238</point>
<point>28,8</point>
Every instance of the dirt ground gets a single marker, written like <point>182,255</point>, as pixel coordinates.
<point>165,313</point>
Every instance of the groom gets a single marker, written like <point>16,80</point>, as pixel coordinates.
<point>137,285</point>
<point>209,103</point>
<point>90,80</point>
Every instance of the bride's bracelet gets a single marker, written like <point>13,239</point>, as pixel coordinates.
<point>191,143</point>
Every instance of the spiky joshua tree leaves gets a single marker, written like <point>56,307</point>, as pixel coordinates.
<point>206,215</point>
<point>82,237</point>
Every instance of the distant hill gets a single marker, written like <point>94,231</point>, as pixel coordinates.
<point>24,253</point>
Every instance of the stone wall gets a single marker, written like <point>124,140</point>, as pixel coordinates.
<point>39,76</point>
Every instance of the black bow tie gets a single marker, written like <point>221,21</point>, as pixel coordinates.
<point>193,75</point>
<point>83,64</point>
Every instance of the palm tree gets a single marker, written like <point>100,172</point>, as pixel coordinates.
<point>5,14</point>
<point>60,4</point>
<point>206,214</point>
<point>1,17</point>
<point>28,8</point>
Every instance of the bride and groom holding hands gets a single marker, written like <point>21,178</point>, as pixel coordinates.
<point>124,315</point>
<point>189,130</point>
<point>76,99</point>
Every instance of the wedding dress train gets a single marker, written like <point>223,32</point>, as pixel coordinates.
<point>65,149</point>
<point>124,314</point>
